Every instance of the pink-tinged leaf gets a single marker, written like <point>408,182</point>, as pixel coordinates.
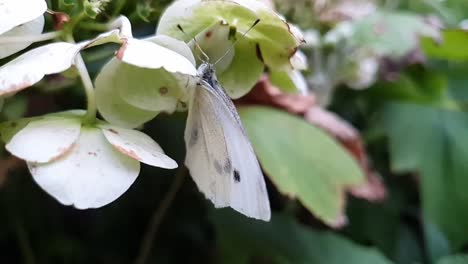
<point>264,93</point>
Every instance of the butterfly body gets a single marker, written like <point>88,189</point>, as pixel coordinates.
<point>220,157</point>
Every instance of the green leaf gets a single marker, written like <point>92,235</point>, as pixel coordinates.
<point>434,142</point>
<point>452,46</point>
<point>302,160</point>
<point>391,33</point>
<point>456,259</point>
<point>426,87</point>
<point>15,107</point>
<point>283,240</point>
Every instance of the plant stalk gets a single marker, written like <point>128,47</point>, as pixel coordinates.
<point>158,216</point>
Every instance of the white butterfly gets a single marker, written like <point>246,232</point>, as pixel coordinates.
<point>220,157</point>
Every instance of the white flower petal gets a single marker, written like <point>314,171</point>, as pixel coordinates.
<point>44,140</point>
<point>124,26</point>
<point>92,175</point>
<point>33,65</point>
<point>152,56</point>
<point>299,61</point>
<point>31,28</point>
<point>109,103</point>
<point>139,146</point>
<point>106,37</point>
<point>299,81</point>
<point>16,12</point>
<point>173,44</point>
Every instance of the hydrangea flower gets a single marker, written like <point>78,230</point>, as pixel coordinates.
<point>218,24</point>
<point>77,159</point>
<point>145,78</point>
<point>87,166</point>
<point>20,18</point>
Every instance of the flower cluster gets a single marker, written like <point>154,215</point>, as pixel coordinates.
<point>88,163</point>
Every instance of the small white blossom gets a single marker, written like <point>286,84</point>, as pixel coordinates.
<point>87,166</point>
<point>145,78</point>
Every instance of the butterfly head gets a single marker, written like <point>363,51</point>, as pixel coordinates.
<point>206,71</point>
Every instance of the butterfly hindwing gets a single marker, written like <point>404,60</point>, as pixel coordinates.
<point>220,157</point>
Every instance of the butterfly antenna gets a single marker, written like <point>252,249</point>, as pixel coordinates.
<point>235,41</point>
<point>206,58</point>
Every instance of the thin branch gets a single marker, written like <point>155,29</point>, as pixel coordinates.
<point>90,116</point>
<point>158,216</point>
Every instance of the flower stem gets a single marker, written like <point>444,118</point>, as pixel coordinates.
<point>90,116</point>
<point>158,216</point>
<point>31,38</point>
<point>93,26</point>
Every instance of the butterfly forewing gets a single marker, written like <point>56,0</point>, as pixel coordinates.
<point>219,154</point>
<point>207,151</point>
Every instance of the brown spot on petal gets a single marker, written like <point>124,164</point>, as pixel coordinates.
<point>163,90</point>
<point>208,34</point>
<point>129,153</point>
<point>120,53</point>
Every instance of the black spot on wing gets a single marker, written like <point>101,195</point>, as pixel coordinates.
<point>218,167</point>
<point>227,166</point>
<point>194,135</point>
<point>237,177</point>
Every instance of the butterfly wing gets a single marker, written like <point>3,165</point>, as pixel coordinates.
<point>220,157</point>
